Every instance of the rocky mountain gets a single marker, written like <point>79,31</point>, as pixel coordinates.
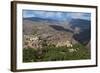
<point>84,30</point>
<point>75,30</point>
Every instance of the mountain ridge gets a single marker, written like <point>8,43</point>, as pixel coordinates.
<point>51,27</point>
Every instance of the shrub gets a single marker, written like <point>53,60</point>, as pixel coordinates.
<point>29,55</point>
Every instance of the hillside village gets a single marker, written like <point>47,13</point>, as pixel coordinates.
<point>32,41</point>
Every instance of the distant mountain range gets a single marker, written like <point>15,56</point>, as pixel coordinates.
<point>58,22</point>
<point>77,30</point>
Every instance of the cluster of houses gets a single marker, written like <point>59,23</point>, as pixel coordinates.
<point>63,43</point>
<point>32,41</point>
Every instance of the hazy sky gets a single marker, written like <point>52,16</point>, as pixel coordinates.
<point>56,15</point>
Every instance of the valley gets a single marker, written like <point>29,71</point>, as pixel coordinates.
<point>52,40</point>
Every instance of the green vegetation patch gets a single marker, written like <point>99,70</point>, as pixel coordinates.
<point>52,53</point>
